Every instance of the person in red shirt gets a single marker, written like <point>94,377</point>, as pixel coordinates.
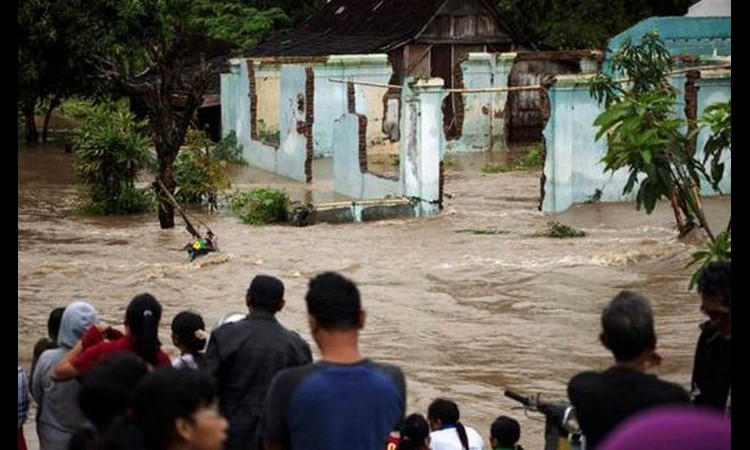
<point>141,337</point>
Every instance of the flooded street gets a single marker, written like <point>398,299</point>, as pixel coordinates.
<point>464,314</point>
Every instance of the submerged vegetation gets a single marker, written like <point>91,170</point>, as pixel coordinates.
<point>560,230</point>
<point>260,206</point>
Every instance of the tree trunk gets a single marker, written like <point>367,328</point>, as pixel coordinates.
<point>166,208</point>
<point>54,103</point>
<point>166,156</point>
<point>31,134</point>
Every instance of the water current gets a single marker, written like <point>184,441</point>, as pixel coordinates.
<point>468,303</point>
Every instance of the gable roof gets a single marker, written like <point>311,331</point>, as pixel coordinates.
<point>342,27</point>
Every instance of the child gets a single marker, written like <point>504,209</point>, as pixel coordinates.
<point>189,336</point>
<point>505,433</point>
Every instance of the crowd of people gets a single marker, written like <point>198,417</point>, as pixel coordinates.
<point>252,383</point>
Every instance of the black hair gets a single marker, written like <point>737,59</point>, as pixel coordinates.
<point>53,322</point>
<point>628,324</point>
<point>165,395</point>
<point>334,301</point>
<point>414,431</point>
<point>715,280</point>
<point>142,318</point>
<point>106,391</point>
<point>184,326</point>
<point>506,430</point>
<point>447,412</point>
<point>265,293</point>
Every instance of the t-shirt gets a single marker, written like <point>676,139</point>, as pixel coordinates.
<point>447,439</point>
<point>604,399</point>
<point>327,406</point>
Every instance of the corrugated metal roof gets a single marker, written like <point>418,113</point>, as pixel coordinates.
<point>345,27</point>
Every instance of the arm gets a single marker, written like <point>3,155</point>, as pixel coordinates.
<point>23,397</point>
<point>65,370</point>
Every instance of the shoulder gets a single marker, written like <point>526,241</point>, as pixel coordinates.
<point>583,379</point>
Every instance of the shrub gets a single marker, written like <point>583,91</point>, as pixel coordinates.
<point>260,206</point>
<point>560,230</point>
<point>534,158</point>
<point>202,167</point>
<point>109,151</point>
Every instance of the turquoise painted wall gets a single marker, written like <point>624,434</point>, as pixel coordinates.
<point>573,169</point>
<point>482,128</point>
<point>698,36</point>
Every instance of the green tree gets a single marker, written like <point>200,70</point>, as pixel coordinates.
<point>582,24</point>
<point>645,137</point>
<point>235,22</point>
<point>51,60</point>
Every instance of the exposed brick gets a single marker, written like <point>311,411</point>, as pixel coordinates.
<point>253,99</point>
<point>309,119</point>
<point>691,109</point>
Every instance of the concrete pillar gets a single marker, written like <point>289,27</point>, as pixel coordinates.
<point>424,143</point>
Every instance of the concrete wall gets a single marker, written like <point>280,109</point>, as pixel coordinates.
<point>331,97</point>
<point>337,132</point>
<point>289,158</point>
<point>268,88</point>
<point>573,169</point>
<point>484,119</point>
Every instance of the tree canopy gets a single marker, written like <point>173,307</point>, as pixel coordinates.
<point>582,24</point>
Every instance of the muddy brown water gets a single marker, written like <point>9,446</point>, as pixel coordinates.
<point>465,315</point>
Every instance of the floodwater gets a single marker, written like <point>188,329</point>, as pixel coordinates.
<point>465,314</point>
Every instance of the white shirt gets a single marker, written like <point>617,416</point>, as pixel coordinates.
<point>447,439</point>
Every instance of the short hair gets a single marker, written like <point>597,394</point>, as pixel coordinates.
<point>165,395</point>
<point>334,301</point>
<point>628,323</point>
<point>414,431</point>
<point>715,280</point>
<point>184,325</point>
<point>106,392</point>
<point>506,430</point>
<point>266,293</point>
<point>445,410</point>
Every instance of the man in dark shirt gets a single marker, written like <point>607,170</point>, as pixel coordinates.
<point>605,399</point>
<point>344,401</point>
<point>244,356</point>
<point>712,375</point>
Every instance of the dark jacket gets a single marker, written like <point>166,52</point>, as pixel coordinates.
<point>603,400</point>
<point>243,357</point>
<point>712,375</point>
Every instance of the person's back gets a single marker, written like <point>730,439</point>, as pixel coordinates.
<point>244,356</point>
<point>448,433</point>
<point>344,401</point>
<point>604,399</point>
<point>59,416</point>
